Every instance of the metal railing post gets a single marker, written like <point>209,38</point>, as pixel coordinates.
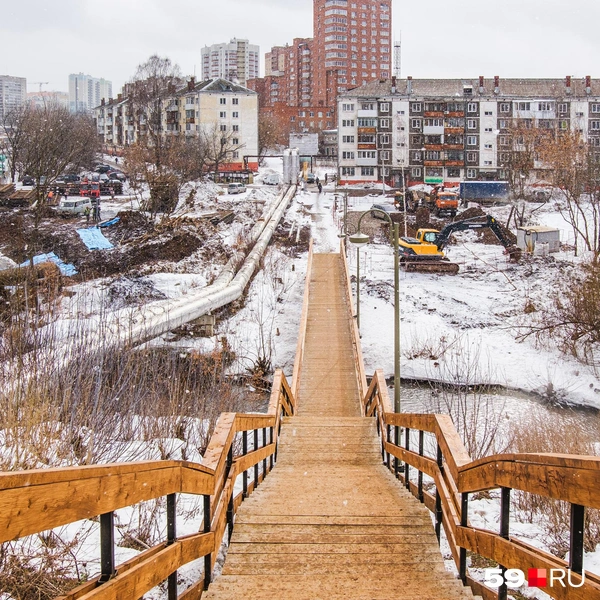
<point>464,520</point>
<point>272,457</point>
<point>406,467</point>
<point>504,532</point>
<point>208,557</point>
<point>107,546</point>
<point>171,537</point>
<point>230,502</point>
<point>245,474</point>
<point>420,478</point>
<point>576,538</point>
<point>256,465</point>
<point>438,497</point>
<point>264,439</point>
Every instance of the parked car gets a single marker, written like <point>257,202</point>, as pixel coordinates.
<point>236,188</point>
<point>387,208</point>
<point>74,206</point>
<point>311,178</point>
<point>28,180</point>
<point>103,168</point>
<point>117,176</point>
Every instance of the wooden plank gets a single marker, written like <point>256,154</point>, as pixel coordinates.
<point>44,507</point>
<point>451,444</point>
<point>421,463</point>
<point>249,422</point>
<point>245,462</point>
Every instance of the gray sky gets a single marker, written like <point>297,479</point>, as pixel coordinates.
<point>45,40</point>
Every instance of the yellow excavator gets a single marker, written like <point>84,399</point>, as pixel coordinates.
<point>425,253</point>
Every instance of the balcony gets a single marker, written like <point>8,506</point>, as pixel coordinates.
<point>433,147</point>
<point>367,113</point>
<point>433,130</point>
<point>433,163</point>
<point>453,146</point>
<point>434,114</point>
<point>454,130</point>
<point>366,162</point>
<point>367,146</point>
<point>367,130</point>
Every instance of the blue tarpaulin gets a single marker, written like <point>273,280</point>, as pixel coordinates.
<point>94,239</point>
<point>109,223</point>
<point>65,269</point>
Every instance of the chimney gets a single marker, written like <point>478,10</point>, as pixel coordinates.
<point>110,100</point>
<point>481,88</point>
<point>496,84</point>
<point>568,84</point>
<point>119,97</point>
<point>394,84</point>
<point>588,85</point>
<point>409,85</point>
<point>102,102</point>
<point>191,84</point>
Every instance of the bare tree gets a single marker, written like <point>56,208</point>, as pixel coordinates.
<point>219,146</point>
<point>269,134</point>
<point>575,170</point>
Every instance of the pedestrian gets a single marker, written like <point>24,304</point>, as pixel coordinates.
<point>98,211</point>
<point>325,177</point>
<point>86,212</point>
<point>116,160</point>
<point>320,187</point>
<point>50,196</point>
<point>111,189</point>
<point>317,181</point>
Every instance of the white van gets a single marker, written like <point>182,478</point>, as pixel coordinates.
<point>74,206</point>
<point>271,179</point>
<point>236,188</point>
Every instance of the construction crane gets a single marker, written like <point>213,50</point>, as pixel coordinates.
<point>40,83</point>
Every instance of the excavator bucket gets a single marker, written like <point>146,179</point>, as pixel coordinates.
<point>430,266</point>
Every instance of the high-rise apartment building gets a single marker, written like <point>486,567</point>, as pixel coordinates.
<point>86,92</point>
<point>352,45</point>
<point>13,93</point>
<point>236,61</point>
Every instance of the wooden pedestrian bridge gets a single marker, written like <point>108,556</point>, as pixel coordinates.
<point>330,495</point>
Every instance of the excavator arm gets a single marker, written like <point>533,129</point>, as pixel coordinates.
<point>490,222</point>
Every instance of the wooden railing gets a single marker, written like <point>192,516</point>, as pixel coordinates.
<point>38,500</point>
<point>572,479</point>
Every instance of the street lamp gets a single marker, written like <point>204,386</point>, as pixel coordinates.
<point>359,239</point>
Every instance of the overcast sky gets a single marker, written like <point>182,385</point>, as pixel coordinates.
<point>46,40</point>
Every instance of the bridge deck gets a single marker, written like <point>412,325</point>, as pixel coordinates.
<point>331,521</point>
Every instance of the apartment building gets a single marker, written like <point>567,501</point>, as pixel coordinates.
<point>41,99</point>
<point>352,45</point>
<point>213,105</point>
<point>13,93</point>
<point>447,130</point>
<point>237,61</point>
<point>86,92</point>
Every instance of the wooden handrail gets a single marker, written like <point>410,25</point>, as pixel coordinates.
<point>38,500</point>
<point>573,479</point>
<point>303,323</point>
<point>356,347</point>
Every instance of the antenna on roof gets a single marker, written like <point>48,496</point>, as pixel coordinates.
<point>398,58</point>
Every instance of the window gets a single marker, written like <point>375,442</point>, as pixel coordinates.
<point>471,140</point>
<point>415,172</point>
<point>367,154</point>
<point>384,107</point>
<point>348,171</point>
<point>236,128</point>
<point>222,100</point>
<point>433,122</point>
<point>471,173</point>
<point>595,108</point>
<point>471,123</point>
<point>236,155</point>
<point>348,123</point>
<point>432,155</point>
<point>222,114</point>
<point>471,157</point>
<point>595,125</point>
<point>504,107</point>
<point>472,107</point>
<point>367,122</point>
<point>223,128</point>
<point>415,107</point>
<point>348,139</point>
<point>367,171</point>
<point>454,172</point>
<point>489,113</point>
<point>348,155</point>
<point>384,139</point>
<point>367,106</point>
<point>235,101</point>
<point>523,105</point>
<point>545,106</point>
<point>415,124</point>
<point>563,108</point>
<point>236,115</point>
<point>488,146</point>
<point>385,155</point>
<point>384,123</point>
<point>563,125</point>
<point>503,124</point>
<point>347,107</point>
<point>487,163</point>
<point>235,141</point>
<point>503,139</point>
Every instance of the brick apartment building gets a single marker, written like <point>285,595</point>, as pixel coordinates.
<point>447,130</point>
<point>351,46</point>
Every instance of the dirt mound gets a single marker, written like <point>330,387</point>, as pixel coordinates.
<point>470,213</point>
<point>288,244</point>
<point>127,291</point>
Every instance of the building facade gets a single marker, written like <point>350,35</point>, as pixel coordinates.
<point>41,99</point>
<point>13,93</point>
<point>237,61</point>
<point>447,130</point>
<point>352,45</point>
<point>86,92</point>
<point>214,106</point>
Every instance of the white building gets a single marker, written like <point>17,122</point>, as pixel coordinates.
<point>13,93</point>
<point>236,61</point>
<point>86,92</point>
<point>41,99</point>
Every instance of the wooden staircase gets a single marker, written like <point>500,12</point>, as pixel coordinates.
<point>331,521</point>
